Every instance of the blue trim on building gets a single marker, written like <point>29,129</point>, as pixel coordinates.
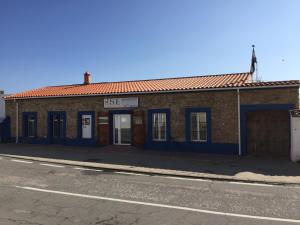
<point>85,141</point>
<point>251,108</point>
<point>213,148</point>
<point>188,112</point>
<point>188,146</point>
<point>158,144</point>
<point>51,140</point>
<point>5,130</point>
<point>169,144</point>
<point>111,121</point>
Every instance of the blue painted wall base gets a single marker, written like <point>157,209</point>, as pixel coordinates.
<point>217,148</point>
<point>65,141</point>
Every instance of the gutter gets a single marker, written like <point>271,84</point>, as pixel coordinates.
<point>17,121</point>
<point>160,92</point>
<point>239,120</point>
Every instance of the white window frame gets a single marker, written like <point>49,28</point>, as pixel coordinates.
<point>198,127</point>
<point>159,127</point>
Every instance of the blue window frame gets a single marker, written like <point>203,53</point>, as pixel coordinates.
<point>56,126</point>
<point>198,125</point>
<point>159,125</point>
<point>30,124</point>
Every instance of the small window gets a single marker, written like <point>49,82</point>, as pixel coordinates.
<point>159,126</point>
<point>31,126</point>
<point>198,126</point>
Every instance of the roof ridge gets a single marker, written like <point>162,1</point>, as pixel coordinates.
<point>175,78</point>
<point>276,81</point>
<point>167,78</point>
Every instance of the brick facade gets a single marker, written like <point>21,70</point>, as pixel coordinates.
<point>223,105</point>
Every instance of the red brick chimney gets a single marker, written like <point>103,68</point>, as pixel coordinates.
<point>87,78</point>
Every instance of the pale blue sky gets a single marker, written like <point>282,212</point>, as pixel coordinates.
<point>53,42</point>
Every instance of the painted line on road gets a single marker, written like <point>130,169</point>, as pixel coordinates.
<point>253,184</point>
<point>161,205</point>
<point>51,165</point>
<point>1,158</point>
<point>183,178</point>
<point>20,161</point>
<point>230,182</point>
<point>81,168</point>
<point>130,173</point>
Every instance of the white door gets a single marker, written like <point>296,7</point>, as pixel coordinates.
<point>122,129</point>
<point>86,126</point>
<point>295,140</point>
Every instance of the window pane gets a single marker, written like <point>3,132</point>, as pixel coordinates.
<point>198,126</point>
<point>163,127</point>
<point>203,132</point>
<point>55,126</point>
<point>61,127</point>
<point>159,126</point>
<point>155,126</point>
<point>194,130</point>
<point>202,116</point>
<point>31,126</point>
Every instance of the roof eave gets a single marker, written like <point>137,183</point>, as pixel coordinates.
<point>158,92</point>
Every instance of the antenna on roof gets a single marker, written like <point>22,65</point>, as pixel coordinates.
<point>254,67</point>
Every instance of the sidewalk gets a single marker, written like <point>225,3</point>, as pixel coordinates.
<point>127,158</point>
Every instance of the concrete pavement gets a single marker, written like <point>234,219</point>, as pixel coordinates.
<point>43,193</point>
<point>219,167</point>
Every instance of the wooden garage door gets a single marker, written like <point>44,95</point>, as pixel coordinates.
<point>268,132</point>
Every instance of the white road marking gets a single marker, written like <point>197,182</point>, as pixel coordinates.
<point>1,158</point>
<point>252,184</point>
<point>81,168</point>
<point>20,161</point>
<point>52,165</point>
<point>162,205</point>
<point>183,178</point>
<point>130,173</point>
<point>230,182</point>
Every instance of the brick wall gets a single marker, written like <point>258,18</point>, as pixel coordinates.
<point>223,106</point>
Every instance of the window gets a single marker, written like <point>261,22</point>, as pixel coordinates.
<point>159,126</point>
<point>31,126</point>
<point>198,126</point>
<point>58,126</point>
<point>55,126</point>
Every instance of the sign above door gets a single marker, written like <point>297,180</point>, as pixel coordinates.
<point>132,102</point>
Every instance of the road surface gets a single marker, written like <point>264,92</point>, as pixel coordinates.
<point>41,193</point>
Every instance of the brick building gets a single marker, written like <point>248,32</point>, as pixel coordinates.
<point>226,113</point>
<point>2,106</point>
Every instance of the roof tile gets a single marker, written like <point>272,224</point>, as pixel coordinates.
<point>156,85</point>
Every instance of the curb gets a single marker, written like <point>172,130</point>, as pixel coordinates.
<point>152,171</point>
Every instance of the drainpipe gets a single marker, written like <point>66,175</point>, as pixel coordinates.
<point>239,120</point>
<point>17,122</point>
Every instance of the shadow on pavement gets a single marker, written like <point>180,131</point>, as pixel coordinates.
<point>185,161</point>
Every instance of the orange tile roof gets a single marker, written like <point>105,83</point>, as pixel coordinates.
<point>145,86</point>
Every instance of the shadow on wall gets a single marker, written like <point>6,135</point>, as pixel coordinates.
<point>5,130</point>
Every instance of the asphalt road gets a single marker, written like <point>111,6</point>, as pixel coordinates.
<point>37,193</point>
